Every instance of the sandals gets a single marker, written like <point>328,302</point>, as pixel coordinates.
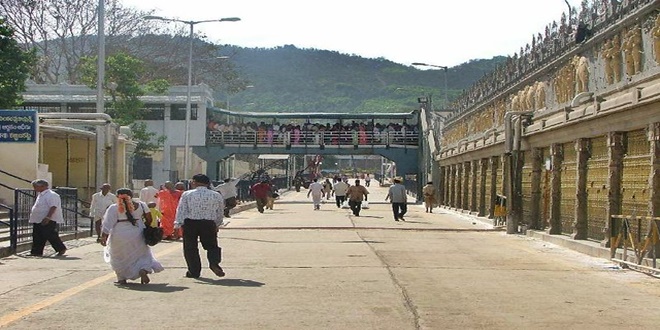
<point>144,277</point>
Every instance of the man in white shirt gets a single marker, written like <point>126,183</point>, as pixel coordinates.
<point>45,216</point>
<point>100,202</point>
<point>316,190</point>
<point>340,191</point>
<point>228,191</point>
<point>200,214</point>
<point>149,194</point>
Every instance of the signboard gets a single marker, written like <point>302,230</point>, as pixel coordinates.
<point>18,126</point>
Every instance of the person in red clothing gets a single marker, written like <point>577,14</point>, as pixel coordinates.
<point>168,201</point>
<point>260,192</point>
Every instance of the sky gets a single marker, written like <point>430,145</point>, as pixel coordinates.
<point>438,32</point>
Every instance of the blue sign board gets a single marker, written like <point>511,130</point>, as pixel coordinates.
<point>18,126</point>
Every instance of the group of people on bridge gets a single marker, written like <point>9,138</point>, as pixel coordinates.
<point>314,133</point>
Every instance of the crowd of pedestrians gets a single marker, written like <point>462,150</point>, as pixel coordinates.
<point>194,215</point>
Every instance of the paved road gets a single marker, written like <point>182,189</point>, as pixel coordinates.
<point>295,268</point>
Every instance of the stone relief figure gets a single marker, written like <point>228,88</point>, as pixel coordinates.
<point>539,94</point>
<point>515,103</point>
<point>528,93</point>
<point>581,64</point>
<point>632,49</point>
<point>656,39</point>
<point>606,54</point>
<point>615,63</point>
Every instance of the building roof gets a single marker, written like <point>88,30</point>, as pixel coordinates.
<point>272,156</point>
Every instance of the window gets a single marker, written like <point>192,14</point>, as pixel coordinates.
<point>178,111</point>
<point>153,112</point>
<point>142,168</point>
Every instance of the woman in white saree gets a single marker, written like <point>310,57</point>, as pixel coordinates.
<point>125,247</point>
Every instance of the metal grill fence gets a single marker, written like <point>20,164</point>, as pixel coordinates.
<point>568,188</point>
<point>597,188</point>
<point>21,229</point>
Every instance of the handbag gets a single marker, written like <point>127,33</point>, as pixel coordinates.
<point>152,235</point>
<point>365,204</point>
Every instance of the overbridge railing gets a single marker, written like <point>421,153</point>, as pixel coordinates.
<point>321,138</point>
<point>632,239</point>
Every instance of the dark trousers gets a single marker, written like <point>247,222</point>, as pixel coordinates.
<point>206,231</point>
<point>261,203</point>
<point>340,200</point>
<point>230,203</point>
<point>355,206</point>
<point>399,210</point>
<point>46,233</point>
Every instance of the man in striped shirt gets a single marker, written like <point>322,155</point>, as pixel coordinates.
<point>200,213</point>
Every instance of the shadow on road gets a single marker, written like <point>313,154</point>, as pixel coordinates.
<point>231,282</point>
<point>154,287</point>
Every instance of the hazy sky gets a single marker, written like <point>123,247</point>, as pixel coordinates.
<point>439,32</point>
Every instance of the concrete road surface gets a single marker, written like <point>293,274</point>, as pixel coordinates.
<point>296,268</point>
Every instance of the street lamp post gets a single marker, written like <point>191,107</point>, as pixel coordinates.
<point>445,68</point>
<point>191,24</point>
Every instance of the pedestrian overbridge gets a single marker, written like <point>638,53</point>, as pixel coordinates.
<point>394,136</point>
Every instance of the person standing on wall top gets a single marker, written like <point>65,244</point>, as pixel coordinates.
<point>45,217</point>
<point>397,195</point>
<point>100,202</point>
<point>149,194</point>
<point>200,215</point>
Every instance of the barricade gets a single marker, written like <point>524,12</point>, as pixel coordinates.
<point>622,234</point>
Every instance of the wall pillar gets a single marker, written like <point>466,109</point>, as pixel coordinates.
<point>654,179</point>
<point>581,224</point>
<point>557,157</point>
<point>494,163</point>
<point>616,152</point>
<point>459,185</point>
<point>482,186</point>
<point>452,186</point>
<point>467,169</point>
<point>474,193</point>
<point>537,175</point>
<point>441,185</point>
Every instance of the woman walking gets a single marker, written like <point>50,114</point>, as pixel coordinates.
<point>126,251</point>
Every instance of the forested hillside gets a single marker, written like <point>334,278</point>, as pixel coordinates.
<point>289,79</point>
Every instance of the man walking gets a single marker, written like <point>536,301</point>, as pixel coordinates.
<point>356,194</point>
<point>316,190</point>
<point>260,192</point>
<point>200,215</point>
<point>168,201</point>
<point>429,196</point>
<point>100,202</point>
<point>340,191</point>
<point>228,191</point>
<point>397,195</point>
<point>45,216</point>
<point>149,194</point>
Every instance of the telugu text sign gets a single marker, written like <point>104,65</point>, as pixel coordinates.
<point>18,126</point>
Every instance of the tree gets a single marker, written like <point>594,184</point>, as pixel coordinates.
<point>63,31</point>
<point>125,83</point>
<point>14,67</point>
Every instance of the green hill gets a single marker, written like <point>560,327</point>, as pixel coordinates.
<point>289,79</point>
